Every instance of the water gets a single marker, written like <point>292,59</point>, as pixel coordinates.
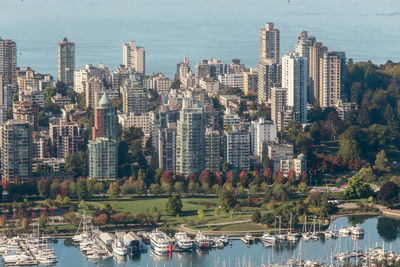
<point>379,231</point>
<point>173,29</point>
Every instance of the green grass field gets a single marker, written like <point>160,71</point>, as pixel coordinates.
<point>189,210</point>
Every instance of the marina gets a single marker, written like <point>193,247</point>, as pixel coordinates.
<point>96,248</point>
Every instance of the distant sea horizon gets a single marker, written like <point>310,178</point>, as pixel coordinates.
<point>173,29</point>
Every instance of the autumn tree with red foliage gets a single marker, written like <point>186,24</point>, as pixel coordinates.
<point>205,178</point>
<point>192,177</point>
<point>219,179</point>
<point>167,176</point>
<point>291,177</point>
<point>279,178</point>
<point>244,178</point>
<point>269,176</point>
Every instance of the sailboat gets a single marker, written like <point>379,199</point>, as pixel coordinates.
<point>280,237</point>
<point>306,235</point>
<point>314,235</point>
<point>290,236</point>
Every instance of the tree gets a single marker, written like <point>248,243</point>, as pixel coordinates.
<point>113,190</point>
<point>155,189</point>
<point>200,214</point>
<point>25,223</point>
<point>167,176</point>
<point>291,131</point>
<point>381,161</point>
<point>244,178</point>
<point>179,188</point>
<point>43,220</point>
<point>292,177</point>
<point>219,179</point>
<point>101,219</point>
<point>3,220</point>
<point>81,189</point>
<point>268,176</point>
<point>226,167</point>
<point>43,119</point>
<point>76,164</point>
<point>174,205</point>
<point>228,197</point>
<point>44,188</point>
<point>266,162</point>
<point>256,216</point>
<point>157,175</point>
<point>142,175</point>
<point>357,188</point>
<point>205,177</point>
<point>388,195</point>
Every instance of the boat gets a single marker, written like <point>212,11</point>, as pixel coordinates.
<point>268,239</point>
<point>183,241</point>
<point>291,236</point>
<point>344,231</point>
<point>330,234</point>
<point>201,241</point>
<point>219,244</point>
<point>119,248</point>
<point>248,239</point>
<point>159,242</point>
<point>356,230</point>
<point>94,256</point>
<point>224,240</point>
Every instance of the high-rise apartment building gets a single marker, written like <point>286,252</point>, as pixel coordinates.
<point>331,78</point>
<point>134,98</point>
<point>237,145</point>
<point>134,57</point>
<point>8,63</point>
<point>182,69</point>
<point>235,67</point>
<point>278,102</point>
<point>103,161</point>
<point>212,150</point>
<point>269,43</point>
<point>304,42</point>
<point>16,150</point>
<point>190,138</point>
<point>105,120</point>
<point>66,61</point>
<point>303,46</point>
<point>82,77</point>
<point>294,79</point>
<point>26,111</point>
<point>316,54</point>
<point>65,138</point>
<point>94,87</point>
<point>262,131</point>
<point>103,149</point>
<point>166,145</point>
<point>269,75</point>
<point>250,81</point>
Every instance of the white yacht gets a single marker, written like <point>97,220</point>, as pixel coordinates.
<point>291,237</point>
<point>119,248</point>
<point>159,242</point>
<point>224,240</point>
<point>248,239</point>
<point>356,230</point>
<point>201,241</point>
<point>344,231</point>
<point>269,239</point>
<point>183,241</point>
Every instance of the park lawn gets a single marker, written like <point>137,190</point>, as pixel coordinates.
<point>189,210</point>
